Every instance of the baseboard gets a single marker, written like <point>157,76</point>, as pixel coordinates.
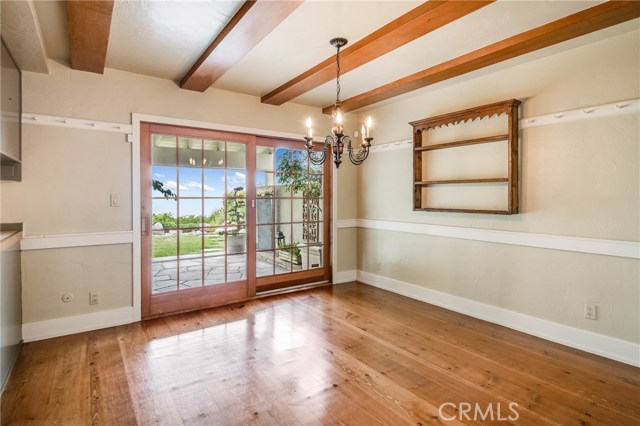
<point>609,347</point>
<point>344,276</point>
<point>76,324</point>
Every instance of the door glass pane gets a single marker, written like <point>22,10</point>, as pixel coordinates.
<point>236,242</point>
<point>304,258</point>
<point>312,209</point>
<point>297,210</point>
<point>164,173</point>
<point>214,212</point>
<point>311,233</point>
<point>297,236</point>
<point>213,154</point>
<point>265,237</point>
<point>316,187</point>
<point>190,258</point>
<point>214,268</point>
<point>265,210</point>
<point>236,210</point>
<point>213,241</point>
<point>164,266</point>
<point>264,183</point>
<point>315,254</point>
<point>283,210</point>
<point>236,267</point>
<point>283,234</point>
<point>190,213</point>
<point>236,182</point>
<point>214,183</point>
<point>164,215</point>
<point>316,168</point>
<point>190,170</point>
<point>321,232</point>
<point>282,261</point>
<point>264,158</point>
<point>164,180</point>
<point>264,263</point>
<point>236,155</point>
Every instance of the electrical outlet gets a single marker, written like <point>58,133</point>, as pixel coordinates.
<point>67,297</point>
<point>591,311</point>
<point>114,200</point>
<point>93,298</point>
<point>378,266</point>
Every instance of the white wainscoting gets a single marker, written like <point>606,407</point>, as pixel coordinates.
<point>39,242</point>
<point>41,330</point>
<point>629,249</point>
<point>609,347</point>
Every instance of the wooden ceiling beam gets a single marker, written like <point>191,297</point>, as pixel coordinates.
<point>89,24</point>
<point>410,26</point>
<point>587,21</point>
<point>254,20</point>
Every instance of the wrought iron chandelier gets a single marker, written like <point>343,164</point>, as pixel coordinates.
<point>338,140</point>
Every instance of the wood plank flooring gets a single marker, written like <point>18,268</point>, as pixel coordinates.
<point>343,355</point>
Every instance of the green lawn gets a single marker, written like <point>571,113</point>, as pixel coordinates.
<point>166,245</point>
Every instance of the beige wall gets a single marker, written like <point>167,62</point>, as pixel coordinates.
<point>68,175</point>
<point>577,179</point>
<point>47,274</point>
<point>347,198</point>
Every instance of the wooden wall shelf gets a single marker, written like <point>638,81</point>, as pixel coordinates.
<point>496,138</point>
<point>444,182</point>
<point>421,127</point>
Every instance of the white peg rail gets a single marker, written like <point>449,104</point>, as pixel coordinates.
<point>75,123</point>
<point>586,113</point>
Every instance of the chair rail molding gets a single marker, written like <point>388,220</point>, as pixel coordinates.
<point>618,248</point>
<point>40,242</point>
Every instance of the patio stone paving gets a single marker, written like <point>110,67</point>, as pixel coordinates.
<point>165,270</point>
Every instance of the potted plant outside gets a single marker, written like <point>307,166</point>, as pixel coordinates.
<point>236,211</point>
<point>290,253</point>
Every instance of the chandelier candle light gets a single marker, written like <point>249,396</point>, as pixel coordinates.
<point>337,141</point>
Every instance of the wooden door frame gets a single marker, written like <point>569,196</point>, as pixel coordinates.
<point>140,285</point>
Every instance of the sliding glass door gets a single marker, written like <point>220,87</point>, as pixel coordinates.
<point>226,216</point>
<point>291,204</point>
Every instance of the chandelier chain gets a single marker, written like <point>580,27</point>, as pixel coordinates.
<point>338,76</point>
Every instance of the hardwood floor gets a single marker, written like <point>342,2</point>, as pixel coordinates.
<point>351,354</point>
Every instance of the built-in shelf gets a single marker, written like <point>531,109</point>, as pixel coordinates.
<point>420,129</point>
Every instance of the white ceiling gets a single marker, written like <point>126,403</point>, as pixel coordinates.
<point>164,38</point>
